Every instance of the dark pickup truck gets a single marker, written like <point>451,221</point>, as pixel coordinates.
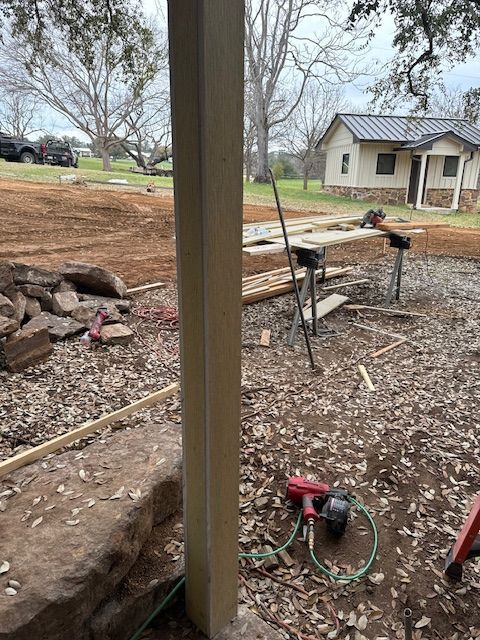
<point>55,152</point>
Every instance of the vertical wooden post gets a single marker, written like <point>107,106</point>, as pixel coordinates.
<point>421,181</point>
<point>458,182</point>
<point>206,58</point>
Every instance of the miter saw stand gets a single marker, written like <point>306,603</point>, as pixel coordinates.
<point>312,259</point>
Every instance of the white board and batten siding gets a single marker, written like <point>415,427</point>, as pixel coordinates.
<point>367,170</point>
<point>339,143</point>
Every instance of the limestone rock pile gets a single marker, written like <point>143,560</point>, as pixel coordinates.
<point>38,307</point>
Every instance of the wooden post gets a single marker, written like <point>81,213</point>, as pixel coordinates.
<point>458,182</point>
<point>421,181</point>
<point>206,61</point>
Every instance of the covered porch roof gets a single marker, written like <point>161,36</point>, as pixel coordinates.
<point>426,141</point>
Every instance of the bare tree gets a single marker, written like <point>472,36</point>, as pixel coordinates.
<point>451,103</point>
<point>19,114</point>
<point>95,97</point>
<point>316,109</point>
<point>278,53</point>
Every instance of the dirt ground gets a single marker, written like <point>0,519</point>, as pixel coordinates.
<point>409,451</point>
<point>133,233</point>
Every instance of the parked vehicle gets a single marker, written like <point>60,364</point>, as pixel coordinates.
<point>54,152</point>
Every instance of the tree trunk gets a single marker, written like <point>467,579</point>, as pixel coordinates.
<point>248,166</point>
<point>138,156</point>
<point>305,179</point>
<point>105,159</point>
<point>262,174</point>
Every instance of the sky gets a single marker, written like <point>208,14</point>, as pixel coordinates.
<point>380,51</point>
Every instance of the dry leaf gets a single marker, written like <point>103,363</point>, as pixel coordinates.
<point>4,567</point>
<point>424,622</point>
<point>36,522</point>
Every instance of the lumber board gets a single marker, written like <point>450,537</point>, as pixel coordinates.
<point>388,348</point>
<point>375,330</point>
<point>346,284</point>
<point>261,249</point>
<point>406,226</point>
<point>392,312</point>
<point>147,287</point>
<point>327,238</point>
<point>27,457</point>
<point>366,377</point>
<point>326,306</point>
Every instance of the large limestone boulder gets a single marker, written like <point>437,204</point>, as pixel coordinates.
<point>64,303</point>
<point>25,274</point>
<point>71,549</point>
<point>7,326</point>
<point>94,279</point>
<point>58,328</point>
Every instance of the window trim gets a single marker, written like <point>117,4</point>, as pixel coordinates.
<point>388,173</point>
<point>345,164</point>
<point>447,175</point>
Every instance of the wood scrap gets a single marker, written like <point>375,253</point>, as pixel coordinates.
<point>274,283</point>
<point>27,457</point>
<point>326,306</point>
<point>147,287</point>
<point>375,330</point>
<point>346,284</point>
<point>392,312</point>
<point>265,338</point>
<point>260,249</point>
<point>366,377</point>
<point>388,348</point>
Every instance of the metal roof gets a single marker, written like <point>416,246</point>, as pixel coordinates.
<point>401,129</point>
<point>426,141</point>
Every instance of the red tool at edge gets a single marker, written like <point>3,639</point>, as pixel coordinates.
<point>319,500</point>
<point>94,332</point>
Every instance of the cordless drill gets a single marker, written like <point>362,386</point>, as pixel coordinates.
<point>319,500</point>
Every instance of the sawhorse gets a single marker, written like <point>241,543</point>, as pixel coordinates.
<point>401,243</point>
<point>467,545</point>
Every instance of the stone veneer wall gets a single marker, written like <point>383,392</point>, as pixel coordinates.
<point>441,198</point>
<point>383,195</point>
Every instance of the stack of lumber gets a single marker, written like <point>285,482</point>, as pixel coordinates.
<point>273,230</point>
<point>279,281</point>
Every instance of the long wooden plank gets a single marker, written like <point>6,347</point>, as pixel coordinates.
<point>262,249</point>
<point>331,287</point>
<point>392,312</point>
<point>27,457</point>
<point>146,287</point>
<point>326,306</point>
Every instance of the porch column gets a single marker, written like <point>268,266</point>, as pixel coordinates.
<point>421,180</point>
<point>458,183</point>
<point>206,62</point>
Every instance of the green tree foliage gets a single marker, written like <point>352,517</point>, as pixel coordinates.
<point>278,170</point>
<point>431,36</point>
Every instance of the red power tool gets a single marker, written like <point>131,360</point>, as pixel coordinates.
<point>94,332</point>
<point>319,500</point>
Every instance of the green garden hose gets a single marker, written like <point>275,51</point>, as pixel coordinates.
<point>324,570</point>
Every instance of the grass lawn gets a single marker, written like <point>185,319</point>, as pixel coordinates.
<point>291,191</point>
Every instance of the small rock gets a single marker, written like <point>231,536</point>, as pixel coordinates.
<point>94,279</point>
<point>116,334</point>
<point>25,274</point>
<point>10,591</point>
<point>64,303</point>
<point>7,326</point>
<point>19,302</point>
<point>65,285</point>
<point>35,291</point>
<point>14,584</point>
<point>6,275</point>
<point>32,307</point>
<point>7,310</point>
<point>123,306</point>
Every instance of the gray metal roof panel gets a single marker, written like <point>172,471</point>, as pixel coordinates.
<point>373,128</point>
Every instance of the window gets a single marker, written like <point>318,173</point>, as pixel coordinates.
<point>450,167</point>
<point>386,164</point>
<point>345,162</point>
